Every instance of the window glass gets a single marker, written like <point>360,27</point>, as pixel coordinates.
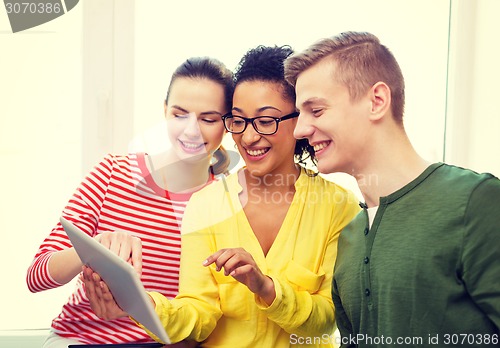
<point>40,113</point>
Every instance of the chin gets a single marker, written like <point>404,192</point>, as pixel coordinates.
<point>257,172</point>
<point>189,157</point>
<point>326,167</point>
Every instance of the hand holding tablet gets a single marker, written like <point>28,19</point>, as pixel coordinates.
<point>120,277</point>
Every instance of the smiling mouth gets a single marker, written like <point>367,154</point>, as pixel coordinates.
<point>192,147</point>
<point>257,153</point>
<point>321,146</point>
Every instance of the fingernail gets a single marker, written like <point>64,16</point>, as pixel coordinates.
<point>205,262</point>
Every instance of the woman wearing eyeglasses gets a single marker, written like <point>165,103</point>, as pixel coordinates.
<point>258,247</point>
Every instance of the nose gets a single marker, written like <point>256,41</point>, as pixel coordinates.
<point>192,130</point>
<point>250,135</point>
<point>303,128</point>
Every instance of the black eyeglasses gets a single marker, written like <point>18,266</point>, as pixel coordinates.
<point>265,125</point>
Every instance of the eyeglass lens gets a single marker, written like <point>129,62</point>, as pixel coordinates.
<point>264,125</point>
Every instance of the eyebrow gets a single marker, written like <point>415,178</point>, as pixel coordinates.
<point>313,100</point>
<point>201,114</point>
<point>264,108</point>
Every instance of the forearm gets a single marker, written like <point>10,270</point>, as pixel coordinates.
<point>268,292</point>
<point>44,274</point>
<point>64,265</point>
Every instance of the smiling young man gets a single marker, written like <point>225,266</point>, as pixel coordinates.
<point>421,264</point>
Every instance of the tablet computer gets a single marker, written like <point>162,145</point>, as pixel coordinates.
<point>121,278</point>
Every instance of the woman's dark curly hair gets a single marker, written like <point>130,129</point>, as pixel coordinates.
<point>265,63</point>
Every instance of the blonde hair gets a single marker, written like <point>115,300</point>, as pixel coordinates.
<point>360,60</point>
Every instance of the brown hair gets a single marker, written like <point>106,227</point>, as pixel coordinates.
<point>221,166</point>
<point>361,61</point>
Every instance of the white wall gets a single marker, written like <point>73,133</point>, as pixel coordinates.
<point>166,34</point>
<point>485,115</point>
<point>77,87</point>
<point>108,78</point>
<point>473,121</point>
<point>40,154</point>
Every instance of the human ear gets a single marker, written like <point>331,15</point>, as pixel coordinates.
<point>380,96</point>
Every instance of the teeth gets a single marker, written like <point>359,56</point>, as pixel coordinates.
<point>256,152</point>
<point>321,146</point>
<point>191,146</point>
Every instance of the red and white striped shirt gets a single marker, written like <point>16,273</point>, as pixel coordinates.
<point>118,194</point>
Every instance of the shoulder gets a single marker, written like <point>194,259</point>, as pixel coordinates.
<point>455,172</point>
<point>117,162</point>
<point>214,190</point>
<point>483,193</point>
<point>461,179</point>
<point>211,205</point>
<point>210,199</point>
<point>464,192</point>
<point>113,166</point>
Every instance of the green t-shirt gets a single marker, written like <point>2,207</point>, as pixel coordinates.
<point>427,272</point>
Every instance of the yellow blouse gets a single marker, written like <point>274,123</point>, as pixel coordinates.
<point>222,312</point>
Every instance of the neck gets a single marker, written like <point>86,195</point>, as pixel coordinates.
<point>280,181</point>
<point>387,168</point>
<point>179,176</point>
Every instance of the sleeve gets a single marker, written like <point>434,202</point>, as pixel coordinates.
<point>481,250</point>
<point>298,311</point>
<point>305,312</point>
<point>83,210</point>
<point>341,319</point>
<point>343,323</point>
<point>194,312</point>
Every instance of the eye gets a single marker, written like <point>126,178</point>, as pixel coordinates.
<point>181,116</point>
<point>208,120</point>
<point>265,121</point>
<point>317,111</point>
<point>238,122</point>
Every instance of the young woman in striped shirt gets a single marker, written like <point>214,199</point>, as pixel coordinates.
<point>133,204</point>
